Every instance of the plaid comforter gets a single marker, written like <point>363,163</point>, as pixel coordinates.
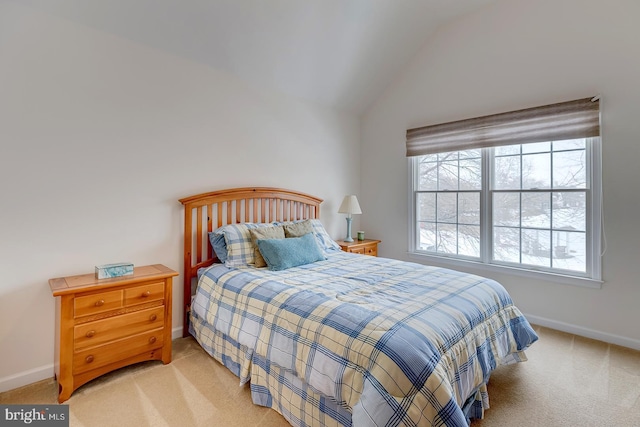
<point>391,342</point>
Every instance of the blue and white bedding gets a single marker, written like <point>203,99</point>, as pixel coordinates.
<point>362,341</point>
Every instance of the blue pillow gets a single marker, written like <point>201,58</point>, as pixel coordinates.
<point>219,245</point>
<point>281,254</point>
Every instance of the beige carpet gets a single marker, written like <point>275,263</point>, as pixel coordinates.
<point>568,381</point>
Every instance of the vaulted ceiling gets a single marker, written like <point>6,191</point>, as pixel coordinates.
<point>337,53</point>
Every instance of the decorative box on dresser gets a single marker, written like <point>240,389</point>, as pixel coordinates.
<point>366,246</point>
<point>105,324</point>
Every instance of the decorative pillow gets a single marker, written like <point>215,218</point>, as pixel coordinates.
<point>326,243</point>
<point>274,232</point>
<point>281,254</point>
<point>298,229</point>
<point>238,242</point>
<point>219,245</point>
<point>324,240</point>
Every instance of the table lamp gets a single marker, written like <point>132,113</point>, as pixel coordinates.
<point>349,206</point>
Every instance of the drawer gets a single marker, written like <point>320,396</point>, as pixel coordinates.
<point>152,291</point>
<point>359,250</point>
<point>97,303</point>
<point>102,331</point>
<point>96,357</point>
<point>371,250</point>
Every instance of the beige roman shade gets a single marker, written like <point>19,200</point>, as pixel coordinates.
<point>566,120</point>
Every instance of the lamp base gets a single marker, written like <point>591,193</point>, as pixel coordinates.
<point>348,238</point>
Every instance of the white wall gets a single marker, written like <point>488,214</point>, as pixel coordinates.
<point>100,137</point>
<point>511,55</point>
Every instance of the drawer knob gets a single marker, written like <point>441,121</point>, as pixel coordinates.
<point>153,317</point>
<point>90,333</point>
<point>146,294</point>
<point>99,303</point>
<point>89,358</point>
<point>152,340</point>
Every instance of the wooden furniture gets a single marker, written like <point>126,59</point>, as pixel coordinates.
<point>237,205</point>
<point>105,324</point>
<point>365,247</point>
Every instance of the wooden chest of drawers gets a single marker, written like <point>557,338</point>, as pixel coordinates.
<point>105,324</point>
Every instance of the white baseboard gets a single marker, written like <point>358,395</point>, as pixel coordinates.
<point>584,332</point>
<point>26,377</point>
<point>31,376</point>
<point>176,333</point>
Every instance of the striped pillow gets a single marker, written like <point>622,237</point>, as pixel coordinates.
<point>240,248</point>
<point>324,240</point>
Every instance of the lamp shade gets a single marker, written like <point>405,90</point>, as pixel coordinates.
<point>350,205</point>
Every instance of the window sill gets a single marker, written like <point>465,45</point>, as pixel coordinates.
<point>480,268</point>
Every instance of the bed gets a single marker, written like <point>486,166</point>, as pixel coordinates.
<point>333,338</point>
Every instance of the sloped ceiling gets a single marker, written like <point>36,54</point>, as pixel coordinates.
<point>337,53</point>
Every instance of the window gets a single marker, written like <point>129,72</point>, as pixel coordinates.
<point>533,206</point>
<point>447,201</point>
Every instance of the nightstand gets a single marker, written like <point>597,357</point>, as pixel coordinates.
<point>105,324</point>
<point>366,246</point>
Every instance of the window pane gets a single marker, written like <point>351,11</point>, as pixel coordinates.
<point>570,169</point>
<point>471,154</point>
<point>570,211</point>
<point>506,244</point>
<point>506,150</point>
<point>447,239</point>
<point>536,247</point>
<point>448,176</point>
<point>451,155</point>
<point>569,251</point>
<point>536,171</point>
<point>536,210</point>
<point>426,206</point>
<point>469,240</point>
<point>470,174</point>
<point>538,147</point>
<point>469,208</point>
<point>569,144</point>
<point>506,209</point>
<point>427,236</point>
<point>506,173</point>
<point>447,207</point>
<point>428,176</point>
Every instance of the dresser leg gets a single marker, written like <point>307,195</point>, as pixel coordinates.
<point>64,393</point>
<point>166,355</point>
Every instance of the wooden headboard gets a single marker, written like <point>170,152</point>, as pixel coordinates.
<point>206,212</point>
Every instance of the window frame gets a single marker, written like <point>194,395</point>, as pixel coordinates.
<point>594,236</point>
